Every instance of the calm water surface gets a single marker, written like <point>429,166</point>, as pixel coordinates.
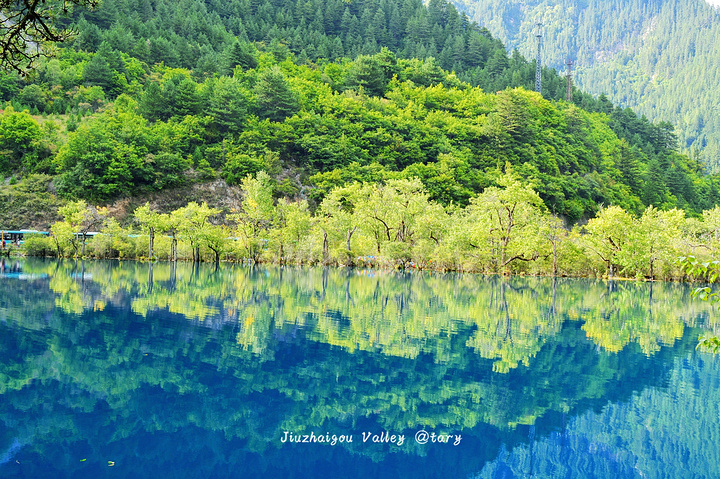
<point>130,371</point>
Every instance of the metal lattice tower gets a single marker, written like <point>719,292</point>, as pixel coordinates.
<point>569,80</point>
<point>538,64</point>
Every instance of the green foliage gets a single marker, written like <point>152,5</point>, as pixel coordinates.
<point>256,216</point>
<point>193,224</point>
<point>28,203</point>
<point>205,170</point>
<point>174,95</point>
<point>665,69</point>
<point>150,222</point>
<point>608,235</point>
<point>710,271</point>
<point>20,137</point>
<point>116,153</point>
<point>289,89</point>
<point>710,343</point>
<point>368,75</point>
<point>97,72</point>
<point>37,245</point>
<point>505,222</point>
<point>97,164</point>
<point>239,166</point>
<point>78,220</point>
<point>166,169</point>
<point>240,54</point>
<point>276,100</point>
<point>450,180</point>
<point>353,172</point>
<point>228,103</point>
<point>9,85</point>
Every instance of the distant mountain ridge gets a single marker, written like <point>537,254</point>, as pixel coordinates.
<point>659,57</point>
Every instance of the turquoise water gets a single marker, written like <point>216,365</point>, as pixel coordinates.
<point>126,370</point>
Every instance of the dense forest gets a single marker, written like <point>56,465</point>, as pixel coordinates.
<point>659,57</point>
<point>155,97</point>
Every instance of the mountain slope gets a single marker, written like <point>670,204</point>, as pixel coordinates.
<point>659,57</point>
<point>157,95</point>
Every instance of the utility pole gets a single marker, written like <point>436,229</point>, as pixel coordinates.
<point>569,80</point>
<point>538,61</point>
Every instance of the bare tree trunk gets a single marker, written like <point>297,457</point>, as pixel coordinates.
<point>173,277</point>
<point>652,273</point>
<point>506,310</point>
<point>553,295</point>
<point>326,252</point>
<point>152,243</point>
<point>347,246</point>
<point>502,260</point>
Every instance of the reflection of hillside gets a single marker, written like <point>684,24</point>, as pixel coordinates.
<point>110,362</point>
<point>398,314</point>
<point>303,350</point>
<point>659,432</point>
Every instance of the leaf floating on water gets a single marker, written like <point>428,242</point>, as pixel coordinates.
<point>111,463</point>
<point>83,460</point>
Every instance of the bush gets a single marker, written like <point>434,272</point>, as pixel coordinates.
<point>38,245</point>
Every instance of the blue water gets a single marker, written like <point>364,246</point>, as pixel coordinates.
<point>130,370</point>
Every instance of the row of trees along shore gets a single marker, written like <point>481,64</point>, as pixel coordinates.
<point>394,224</point>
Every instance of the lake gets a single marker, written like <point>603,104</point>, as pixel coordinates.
<point>130,370</point>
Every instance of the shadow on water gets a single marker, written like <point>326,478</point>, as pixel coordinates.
<point>136,370</point>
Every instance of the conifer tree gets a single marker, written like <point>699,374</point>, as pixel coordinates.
<point>276,100</point>
<point>98,72</point>
<point>242,54</point>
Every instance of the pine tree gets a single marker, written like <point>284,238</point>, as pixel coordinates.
<point>187,99</point>
<point>654,189</point>
<point>98,72</point>
<point>368,73</point>
<point>153,103</point>
<point>89,38</point>
<point>476,51</point>
<point>276,100</point>
<point>629,166</point>
<point>241,54</point>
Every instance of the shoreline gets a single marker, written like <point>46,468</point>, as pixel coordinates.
<point>362,267</point>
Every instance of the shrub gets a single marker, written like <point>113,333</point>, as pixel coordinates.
<point>38,245</point>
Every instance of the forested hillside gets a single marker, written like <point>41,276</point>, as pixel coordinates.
<point>154,95</point>
<point>659,57</point>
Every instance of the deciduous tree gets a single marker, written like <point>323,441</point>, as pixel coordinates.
<point>28,26</point>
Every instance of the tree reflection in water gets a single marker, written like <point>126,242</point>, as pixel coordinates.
<point>192,367</point>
